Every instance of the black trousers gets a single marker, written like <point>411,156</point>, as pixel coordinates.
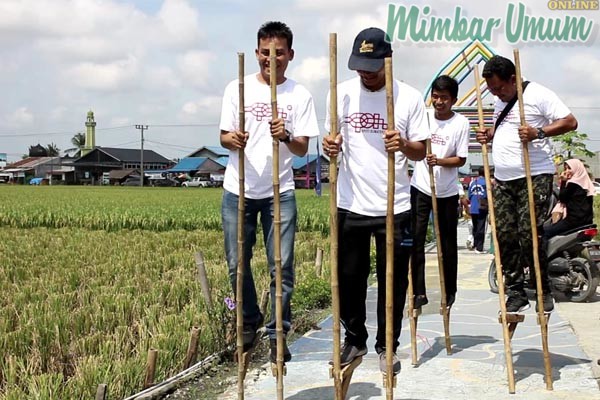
<point>421,207</point>
<point>479,224</point>
<point>354,266</point>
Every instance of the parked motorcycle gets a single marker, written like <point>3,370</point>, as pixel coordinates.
<point>573,265</point>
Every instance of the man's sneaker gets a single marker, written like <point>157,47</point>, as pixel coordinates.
<point>450,300</point>
<point>516,304</point>
<point>287,356</point>
<point>251,335</point>
<point>349,352</point>
<point>383,363</point>
<point>420,301</point>
<point>547,301</point>
<point>469,245</point>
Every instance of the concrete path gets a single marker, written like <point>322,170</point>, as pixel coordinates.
<point>475,370</point>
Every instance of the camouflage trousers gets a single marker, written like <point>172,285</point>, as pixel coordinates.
<point>513,228</point>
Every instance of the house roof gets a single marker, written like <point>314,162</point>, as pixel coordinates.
<point>122,173</point>
<point>222,160</point>
<point>217,150</point>
<point>129,155</point>
<point>188,164</point>
<point>31,162</point>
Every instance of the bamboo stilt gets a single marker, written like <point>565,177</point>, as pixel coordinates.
<point>413,317</point>
<point>239,292</point>
<point>444,310</point>
<point>279,370</point>
<point>507,335</point>
<point>389,238</point>
<point>340,380</point>
<point>542,317</point>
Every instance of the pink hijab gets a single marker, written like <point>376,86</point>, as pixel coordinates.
<point>580,176</point>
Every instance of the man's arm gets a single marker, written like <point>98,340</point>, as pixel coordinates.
<point>415,151</point>
<point>297,145</point>
<point>233,140</point>
<point>558,127</point>
<point>450,162</point>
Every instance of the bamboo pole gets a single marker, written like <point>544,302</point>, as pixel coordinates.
<point>277,228</point>
<point>239,292</point>
<point>499,275</point>
<point>389,237</point>
<point>264,301</point>
<point>542,317</point>
<point>101,391</point>
<point>319,263</point>
<point>192,351</point>
<point>436,227</point>
<point>333,219</point>
<point>202,277</point>
<point>150,368</point>
<point>412,317</point>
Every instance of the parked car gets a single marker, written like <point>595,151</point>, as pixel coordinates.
<point>164,182</point>
<point>131,181</point>
<point>196,182</point>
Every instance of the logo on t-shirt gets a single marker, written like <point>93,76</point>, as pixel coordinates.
<point>439,139</point>
<point>263,110</point>
<point>366,122</point>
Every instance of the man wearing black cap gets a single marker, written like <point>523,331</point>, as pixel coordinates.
<point>363,144</point>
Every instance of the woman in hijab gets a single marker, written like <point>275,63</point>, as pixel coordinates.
<point>576,199</point>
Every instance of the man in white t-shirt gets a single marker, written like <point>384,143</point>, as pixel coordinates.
<point>545,116</point>
<point>296,123</point>
<point>449,150</point>
<point>363,144</point>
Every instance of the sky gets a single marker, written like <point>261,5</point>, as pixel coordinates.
<point>165,63</point>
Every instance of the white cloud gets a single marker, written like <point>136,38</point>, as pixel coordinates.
<point>195,67</point>
<point>104,77</point>
<point>311,70</point>
<point>21,117</point>
<point>206,106</point>
<point>180,23</point>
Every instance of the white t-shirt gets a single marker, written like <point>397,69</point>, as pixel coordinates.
<point>449,138</point>
<point>295,105</point>
<point>542,106</point>
<point>362,180</point>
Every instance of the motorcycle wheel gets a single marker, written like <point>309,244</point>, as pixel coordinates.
<point>492,277</point>
<point>588,288</point>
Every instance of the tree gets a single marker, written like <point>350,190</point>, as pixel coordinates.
<point>78,142</point>
<point>571,144</point>
<point>52,150</point>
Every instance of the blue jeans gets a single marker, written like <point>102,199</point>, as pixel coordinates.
<point>264,207</point>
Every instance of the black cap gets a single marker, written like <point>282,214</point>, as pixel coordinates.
<point>369,50</point>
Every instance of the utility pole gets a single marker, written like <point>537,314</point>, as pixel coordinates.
<point>142,128</point>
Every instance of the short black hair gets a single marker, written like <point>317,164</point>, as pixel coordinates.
<point>481,171</point>
<point>445,82</point>
<point>500,66</point>
<point>275,29</point>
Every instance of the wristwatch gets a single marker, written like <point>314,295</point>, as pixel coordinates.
<point>541,134</point>
<point>288,137</point>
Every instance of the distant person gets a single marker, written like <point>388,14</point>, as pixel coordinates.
<point>545,116</point>
<point>449,150</point>
<point>478,201</point>
<point>295,125</point>
<point>576,199</point>
<point>364,142</point>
